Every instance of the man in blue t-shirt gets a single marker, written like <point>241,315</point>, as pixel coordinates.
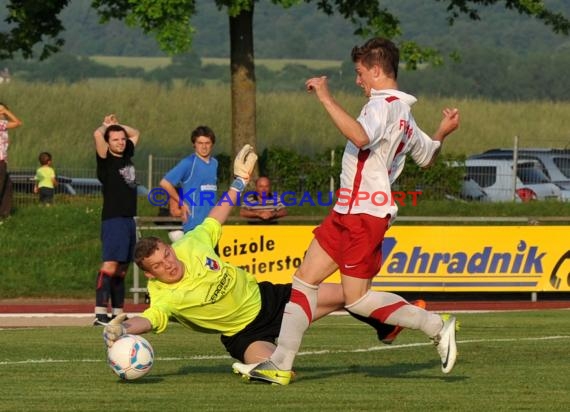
<point>192,183</point>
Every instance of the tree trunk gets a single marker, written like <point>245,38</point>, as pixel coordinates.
<point>243,80</point>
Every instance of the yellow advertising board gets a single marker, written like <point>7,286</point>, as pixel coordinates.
<point>423,258</point>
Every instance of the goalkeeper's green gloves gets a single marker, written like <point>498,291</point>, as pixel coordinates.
<point>114,329</point>
<point>243,167</point>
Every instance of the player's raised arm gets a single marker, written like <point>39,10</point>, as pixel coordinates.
<point>344,122</point>
<point>449,123</point>
<point>243,168</point>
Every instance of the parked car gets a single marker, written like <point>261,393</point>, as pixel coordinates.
<point>470,190</point>
<point>495,178</point>
<point>92,186</point>
<point>23,182</point>
<point>555,163</point>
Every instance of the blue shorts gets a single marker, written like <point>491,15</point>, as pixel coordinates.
<point>118,236</point>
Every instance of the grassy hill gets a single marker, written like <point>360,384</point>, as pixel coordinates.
<point>60,118</point>
<point>151,63</point>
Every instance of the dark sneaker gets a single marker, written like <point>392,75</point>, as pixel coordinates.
<point>101,320</point>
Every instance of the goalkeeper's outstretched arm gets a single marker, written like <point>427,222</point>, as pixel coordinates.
<point>243,168</point>
<point>120,326</point>
<point>137,325</point>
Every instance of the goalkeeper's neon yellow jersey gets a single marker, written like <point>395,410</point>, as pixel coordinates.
<point>212,296</point>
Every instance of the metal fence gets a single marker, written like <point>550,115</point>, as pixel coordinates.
<point>519,173</point>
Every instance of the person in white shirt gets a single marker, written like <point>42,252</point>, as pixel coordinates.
<point>350,237</point>
<point>7,121</point>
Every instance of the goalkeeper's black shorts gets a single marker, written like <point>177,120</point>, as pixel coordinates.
<point>267,323</point>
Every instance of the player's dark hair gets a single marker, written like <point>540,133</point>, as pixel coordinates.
<point>114,128</point>
<point>203,131</point>
<point>378,51</point>
<point>44,158</point>
<point>144,248</point>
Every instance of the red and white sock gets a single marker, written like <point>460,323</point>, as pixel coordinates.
<point>394,310</point>
<point>297,317</point>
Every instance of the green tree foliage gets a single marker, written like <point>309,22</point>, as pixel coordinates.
<point>292,171</point>
<point>186,67</point>
<point>31,23</point>
<point>495,75</point>
<point>67,68</point>
<point>481,73</point>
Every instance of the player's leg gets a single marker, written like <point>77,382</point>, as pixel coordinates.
<point>258,351</point>
<point>259,336</point>
<point>301,309</point>
<point>256,342</point>
<point>299,312</point>
<point>387,334</point>
<point>362,259</point>
<point>124,244</point>
<point>362,245</point>
<point>118,289</point>
<point>103,290</point>
<point>394,310</point>
<point>330,298</point>
<point>118,236</point>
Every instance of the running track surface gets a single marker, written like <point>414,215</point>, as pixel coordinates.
<point>86,307</point>
<point>65,312</point>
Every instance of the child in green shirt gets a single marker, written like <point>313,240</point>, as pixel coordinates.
<point>45,179</point>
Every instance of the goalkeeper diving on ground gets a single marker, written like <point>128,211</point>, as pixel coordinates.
<point>189,283</point>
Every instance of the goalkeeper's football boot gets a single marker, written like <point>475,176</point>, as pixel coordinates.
<point>388,333</point>
<point>445,343</point>
<point>265,372</point>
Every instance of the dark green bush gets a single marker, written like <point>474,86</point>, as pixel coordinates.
<point>291,171</point>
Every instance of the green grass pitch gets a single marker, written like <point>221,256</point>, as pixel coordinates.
<point>508,361</point>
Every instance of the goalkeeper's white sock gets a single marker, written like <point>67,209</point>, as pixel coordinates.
<point>297,317</point>
<point>394,310</point>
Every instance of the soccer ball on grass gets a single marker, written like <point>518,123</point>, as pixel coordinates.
<point>131,357</point>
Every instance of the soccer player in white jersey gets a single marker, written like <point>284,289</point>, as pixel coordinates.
<point>350,237</point>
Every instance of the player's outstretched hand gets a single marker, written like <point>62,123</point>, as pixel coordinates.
<point>245,162</point>
<point>114,329</point>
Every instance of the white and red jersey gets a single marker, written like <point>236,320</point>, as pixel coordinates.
<point>368,173</point>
